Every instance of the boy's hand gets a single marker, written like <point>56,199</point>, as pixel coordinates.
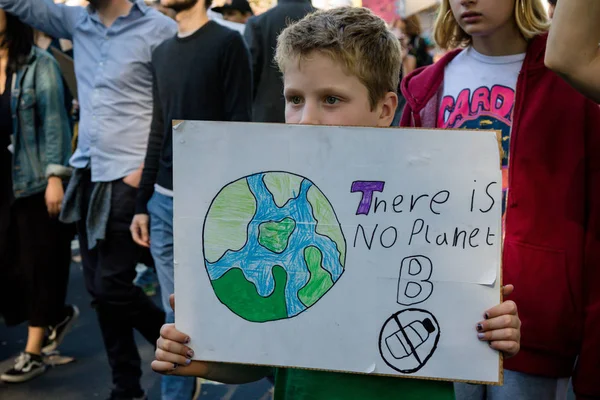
<point>502,326</point>
<point>171,349</point>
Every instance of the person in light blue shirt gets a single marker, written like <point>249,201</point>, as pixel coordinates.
<point>113,43</point>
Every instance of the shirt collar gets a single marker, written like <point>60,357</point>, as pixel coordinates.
<point>141,5</point>
<point>138,5</point>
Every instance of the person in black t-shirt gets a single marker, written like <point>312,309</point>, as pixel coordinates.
<point>204,73</point>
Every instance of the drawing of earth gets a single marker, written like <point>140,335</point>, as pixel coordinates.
<point>273,246</point>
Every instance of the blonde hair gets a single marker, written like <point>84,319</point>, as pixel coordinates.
<point>354,37</point>
<point>530,16</point>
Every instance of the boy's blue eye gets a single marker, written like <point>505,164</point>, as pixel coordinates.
<point>331,100</point>
<point>295,100</point>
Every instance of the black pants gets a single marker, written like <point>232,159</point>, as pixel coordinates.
<point>35,256</point>
<point>109,270</point>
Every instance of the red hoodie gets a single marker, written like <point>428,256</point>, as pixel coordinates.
<point>552,239</point>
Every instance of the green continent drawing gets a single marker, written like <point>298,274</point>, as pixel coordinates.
<point>273,246</point>
<point>275,235</point>
<point>320,280</point>
<point>240,295</point>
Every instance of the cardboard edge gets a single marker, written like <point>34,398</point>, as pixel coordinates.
<point>424,378</point>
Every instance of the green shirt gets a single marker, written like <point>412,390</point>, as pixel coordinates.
<point>297,384</point>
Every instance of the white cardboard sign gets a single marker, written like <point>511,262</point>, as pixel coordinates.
<point>349,249</point>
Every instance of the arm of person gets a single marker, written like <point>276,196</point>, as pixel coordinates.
<point>572,49</point>
<point>57,20</point>
<point>140,224</point>
<point>54,128</point>
<point>252,37</point>
<point>587,370</point>
<point>54,122</point>
<point>237,82</point>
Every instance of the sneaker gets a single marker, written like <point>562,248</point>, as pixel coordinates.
<point>27,366</point>
<point>57,333</point>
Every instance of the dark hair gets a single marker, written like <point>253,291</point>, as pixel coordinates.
<point>18,38</point>
<point>553,2</point>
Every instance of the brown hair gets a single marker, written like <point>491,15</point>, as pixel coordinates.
<point>412,25</point>
<point>530,16</point>
<point>354,37</point>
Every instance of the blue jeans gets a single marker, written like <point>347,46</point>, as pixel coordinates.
<point>516,386</point>
<point>160,209</point>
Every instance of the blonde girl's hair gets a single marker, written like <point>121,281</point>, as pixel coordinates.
<point>530,16</point>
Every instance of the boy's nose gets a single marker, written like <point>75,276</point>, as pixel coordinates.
<point>310,115</point>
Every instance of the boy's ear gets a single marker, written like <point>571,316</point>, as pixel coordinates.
<point>387,109</point>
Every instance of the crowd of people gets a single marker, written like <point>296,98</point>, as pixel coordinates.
<point>97,165</point>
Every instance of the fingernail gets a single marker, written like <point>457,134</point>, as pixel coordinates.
<point>190,353</point>
<point>188,361</point>
<point>479,327</point>
<point>486,315</point>
<point>174,366</point>
<point>481,336</point>
<point>187,340</point>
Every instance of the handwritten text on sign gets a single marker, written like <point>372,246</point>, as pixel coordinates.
<point>388,236</point>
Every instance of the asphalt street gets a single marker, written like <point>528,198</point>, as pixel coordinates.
<point>88,377</point>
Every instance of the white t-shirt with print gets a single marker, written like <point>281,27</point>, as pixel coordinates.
<point>479,93</point>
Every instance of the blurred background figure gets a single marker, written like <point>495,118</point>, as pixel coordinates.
<point>409,64</point>
<point>35,248</point>
<point>551,8</point>
<point>235,11</point>
<point>417,45</point>
<point>261,36</point>
<point>113,40</point>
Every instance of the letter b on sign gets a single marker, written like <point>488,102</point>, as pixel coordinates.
<point>414,286</point>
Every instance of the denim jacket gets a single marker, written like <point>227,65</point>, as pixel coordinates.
<point>41,137</point>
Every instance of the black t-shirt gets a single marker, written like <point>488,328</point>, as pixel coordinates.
<point>204,77</point>
<point>5,113</point>
<point>6,193</point>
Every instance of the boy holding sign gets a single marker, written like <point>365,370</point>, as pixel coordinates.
<point>340,67</point>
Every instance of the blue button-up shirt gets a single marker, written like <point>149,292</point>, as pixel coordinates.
<point>114,78</point>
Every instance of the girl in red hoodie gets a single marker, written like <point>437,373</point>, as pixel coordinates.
<point>551,170</point>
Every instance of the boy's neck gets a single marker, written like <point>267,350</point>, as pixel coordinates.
<point>191,20</point>
<point>505,41</point>
<point>112,10</point>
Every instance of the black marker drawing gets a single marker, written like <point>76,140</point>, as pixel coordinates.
<point>414,286</point>
<point>408,339</point>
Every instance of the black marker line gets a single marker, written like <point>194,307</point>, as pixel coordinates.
<point>412,348</point>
